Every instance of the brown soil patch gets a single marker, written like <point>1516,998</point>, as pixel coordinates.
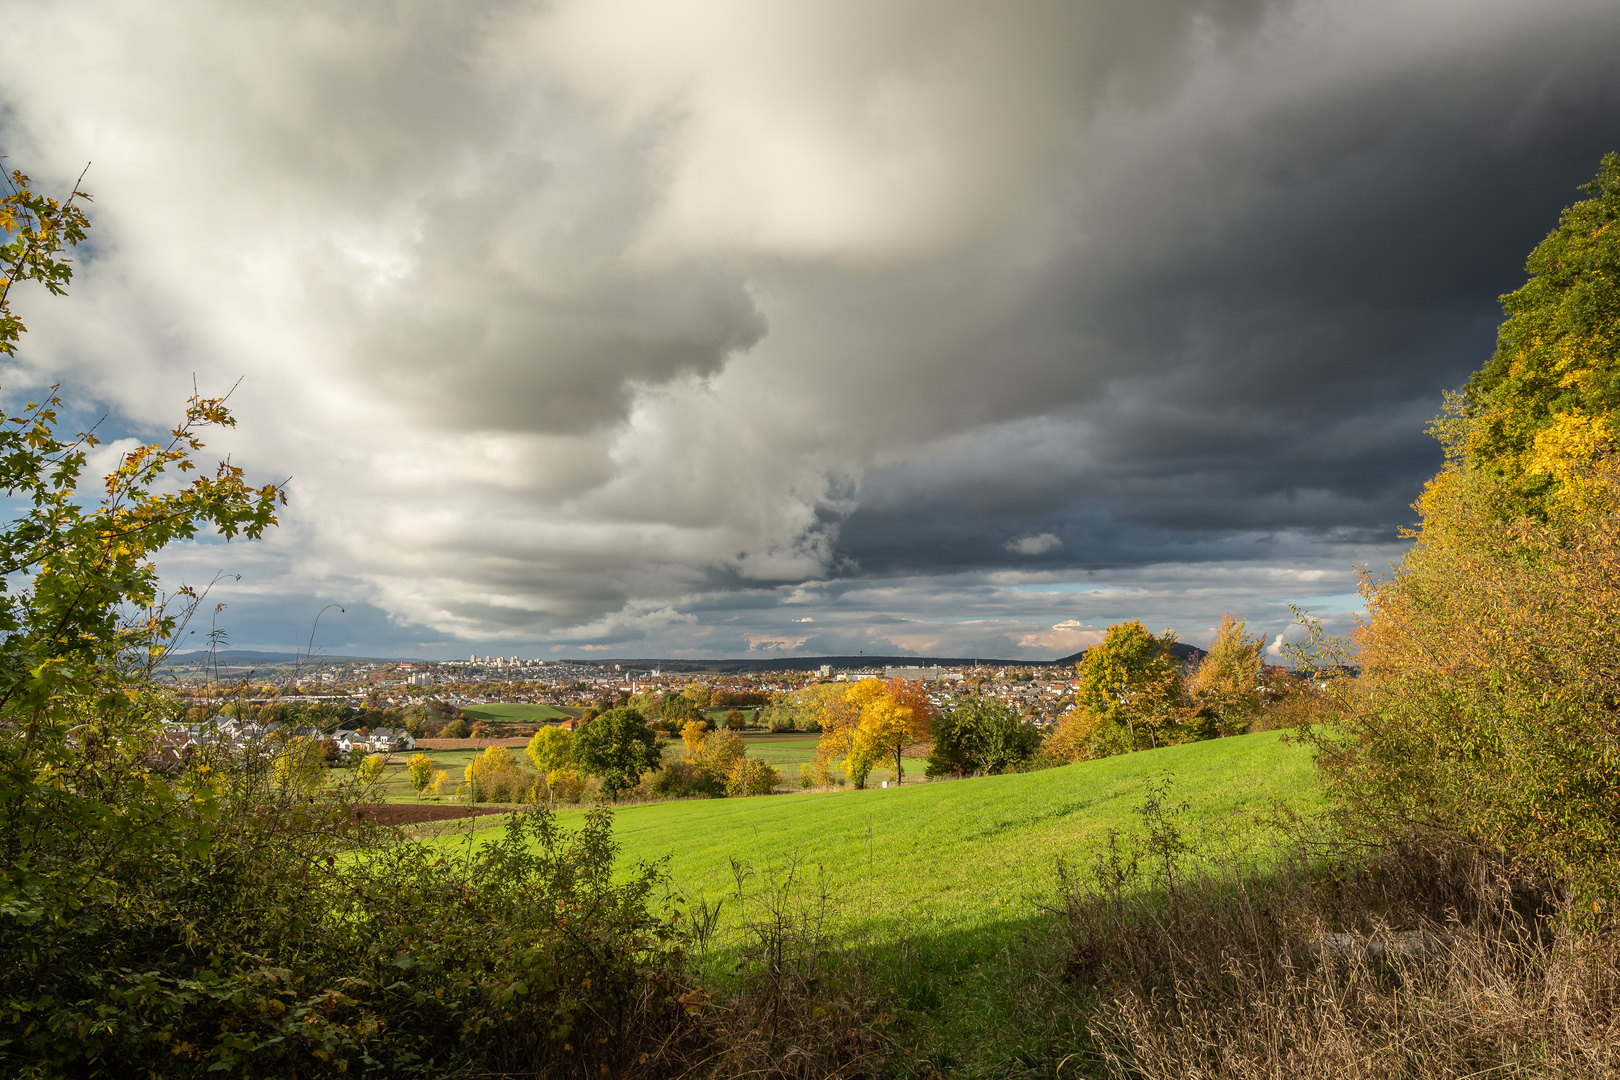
<point>417,813</point>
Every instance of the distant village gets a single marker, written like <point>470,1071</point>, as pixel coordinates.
<point>394,688</point>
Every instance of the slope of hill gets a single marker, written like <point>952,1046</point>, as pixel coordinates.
<point>964,856</point>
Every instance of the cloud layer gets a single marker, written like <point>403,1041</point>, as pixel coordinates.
<point>666,327</point>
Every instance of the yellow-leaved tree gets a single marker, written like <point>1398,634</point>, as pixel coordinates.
<point>420,767</point>
<point>550,749</point>
<point>371,769</point>
<point>1225,688</point>
<point>299,765</point>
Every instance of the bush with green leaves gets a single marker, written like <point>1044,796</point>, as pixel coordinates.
<point>981,735</point>
<point>202,913</point>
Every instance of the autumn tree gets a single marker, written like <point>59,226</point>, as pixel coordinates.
<point>1486,705</point>
<point>1225,688</point>
<point>420,766</point>
<point>890,721</point>
<point>299,766</point>
<point>693,735</point>
<point>1132,681</point>
<point>371,769</point>
<point>550,748</point>
<point>1544,407</point>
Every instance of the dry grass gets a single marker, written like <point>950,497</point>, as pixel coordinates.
<point>1431,961</point>
<point>801,1005</point>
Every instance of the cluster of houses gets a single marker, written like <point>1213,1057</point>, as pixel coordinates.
<point>225,731</point>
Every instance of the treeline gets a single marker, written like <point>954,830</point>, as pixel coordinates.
<point>1133,694</point>
<point>423,719</point>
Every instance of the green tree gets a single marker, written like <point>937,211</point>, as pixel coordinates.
<point>617,747</point>
<point>679,709</point>
<point>550,749</point>
<point>980,735</point>
<point>1226,686</point>
<point>1132,681</point>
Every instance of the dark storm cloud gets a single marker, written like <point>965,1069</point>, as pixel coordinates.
<point>1309,292</point>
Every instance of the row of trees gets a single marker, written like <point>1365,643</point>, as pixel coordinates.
<point>1134,693</point>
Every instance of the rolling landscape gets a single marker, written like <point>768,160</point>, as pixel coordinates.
<point>707,540</point>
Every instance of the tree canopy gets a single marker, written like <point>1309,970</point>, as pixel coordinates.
<point>1546,401</point>
<point>1131,681</point>
<point>617,747</point>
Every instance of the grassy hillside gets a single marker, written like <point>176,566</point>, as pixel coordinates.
<point>963,856</point>
<point>940,885</point>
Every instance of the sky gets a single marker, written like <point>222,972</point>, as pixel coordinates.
<point>631,328</point>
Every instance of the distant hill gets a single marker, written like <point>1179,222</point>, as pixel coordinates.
<point>236,658</point>
<point>802,663</point>
<point>845,663</point>
<point>1182,650</point>
<point>247,658</point>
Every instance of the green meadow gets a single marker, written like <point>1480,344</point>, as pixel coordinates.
<point>518,713</point>
<point>959,856</point>
<point>943,882</point>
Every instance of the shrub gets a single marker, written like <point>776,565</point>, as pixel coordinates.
<point>494,776</point>
<point>734,720</point>
<point>567,785</point>
<point>455,729</point>
<point>981,735</point>
<point>683,779</point>
<point>717,754</point>
<point>751,776</point>
<point>1083,735</point>
<point>814,774</point>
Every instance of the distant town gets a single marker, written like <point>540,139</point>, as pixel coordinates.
<point>1043,692</point>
